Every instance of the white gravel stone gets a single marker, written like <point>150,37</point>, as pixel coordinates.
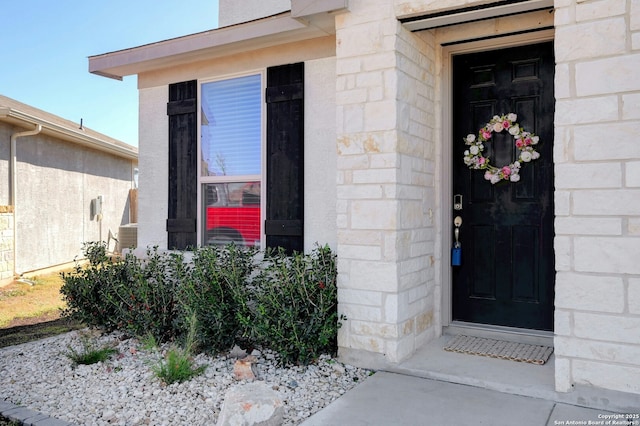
<point>123,390</point>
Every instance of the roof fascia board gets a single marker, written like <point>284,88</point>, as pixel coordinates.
<point>71,135</point>
<point>478,13</point>
<point>235,38</point>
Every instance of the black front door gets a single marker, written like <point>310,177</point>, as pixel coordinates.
<point>506,276</point>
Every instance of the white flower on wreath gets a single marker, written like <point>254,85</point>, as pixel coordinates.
<point>524,141</point>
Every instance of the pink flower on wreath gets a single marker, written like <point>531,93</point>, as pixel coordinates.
<point>506,124</point>
<point>519,143</point>
<point>506,170</point>
<point>486,133</point>
<point>481,160</point>
<point>527,141</point>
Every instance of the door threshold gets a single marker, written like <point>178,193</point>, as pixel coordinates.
<point>496,332</point>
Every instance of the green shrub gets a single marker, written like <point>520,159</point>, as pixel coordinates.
<point>296,305</point>
<point>285,303</point>
<point>129,294</point>
<point>216,292</point>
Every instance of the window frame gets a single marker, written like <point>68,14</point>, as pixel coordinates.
<point>203,180</point>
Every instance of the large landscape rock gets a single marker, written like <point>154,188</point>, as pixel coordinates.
<point>252,404</point>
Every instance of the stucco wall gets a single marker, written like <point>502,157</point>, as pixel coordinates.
<point>56,181</point>
<point>320,150</point>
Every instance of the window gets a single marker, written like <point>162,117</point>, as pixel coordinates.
<point>231,160</point>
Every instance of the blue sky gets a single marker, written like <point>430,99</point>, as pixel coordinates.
<point>44,46</point>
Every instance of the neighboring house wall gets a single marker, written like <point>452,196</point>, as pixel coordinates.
<point>56,180</point>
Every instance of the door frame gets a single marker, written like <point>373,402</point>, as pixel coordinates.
<point>446,194</point>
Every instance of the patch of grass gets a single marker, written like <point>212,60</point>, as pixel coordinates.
<point>20,300</point>
<point>90,353</point>
<point>177,367</point>
<point>178,363</point>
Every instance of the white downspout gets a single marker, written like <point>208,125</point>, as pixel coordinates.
<point>13,187</point>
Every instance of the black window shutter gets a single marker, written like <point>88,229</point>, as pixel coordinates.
<point>285,157</point>
<point>183,172</point>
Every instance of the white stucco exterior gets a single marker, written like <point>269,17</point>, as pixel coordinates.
<point>378,143</point>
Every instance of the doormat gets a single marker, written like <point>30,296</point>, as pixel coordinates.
<point>521,352</point>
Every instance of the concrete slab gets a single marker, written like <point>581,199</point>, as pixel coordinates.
<point>564,414</point>
<point>395,399</point>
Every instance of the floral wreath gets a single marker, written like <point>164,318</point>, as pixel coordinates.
<point>524,141</point>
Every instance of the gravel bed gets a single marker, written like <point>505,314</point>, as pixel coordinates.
<point>125,391</point>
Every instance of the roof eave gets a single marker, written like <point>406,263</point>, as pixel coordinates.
<point>275,30</point>
<point>78,136</point>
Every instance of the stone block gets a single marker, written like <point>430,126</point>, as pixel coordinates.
<point>607,255</point>
<point>600,9</point>
<point>362,312</point>
<point>362,252</point>
<point>596,38</point>
<point>610,75</point>
<point>373,276</point>
<point>598,351</point>
<point>360,297</point>
<point>379,215</point>
<point>621,144</point>
<point>604,202</point>
<point>606,375</point>
<point>632,174</point>
<point>385,331</point>
<point>589,110</point>
<point>562,203</point>
<point>380,115</point>
<point>562,322</point>
<point>562,246</point>
<point>400,349</point>
<point>590,293</point>
<point>606,327</point>
<point>564,381</point>
<point>562,81</point>
<point>576,225</point>
<point>252,404</point>
<point>634,15</point>
<point>366,343</point>
<point>584,175</point>
<point>631,105</point>
<point>633,226</point>
<point>633,301</point>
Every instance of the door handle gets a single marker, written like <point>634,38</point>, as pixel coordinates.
<point>457,222</point>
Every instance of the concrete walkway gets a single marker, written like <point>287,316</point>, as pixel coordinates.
<point>388,399</point>
<point>436,387</point>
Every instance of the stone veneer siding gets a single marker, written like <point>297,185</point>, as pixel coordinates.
<point>597,157</point>
<point>6,243</point>
<point>386,196</point>
<point>388,184</point>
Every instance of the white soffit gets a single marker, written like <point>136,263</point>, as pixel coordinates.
<point>459,16</point>
<point>278,29</point>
